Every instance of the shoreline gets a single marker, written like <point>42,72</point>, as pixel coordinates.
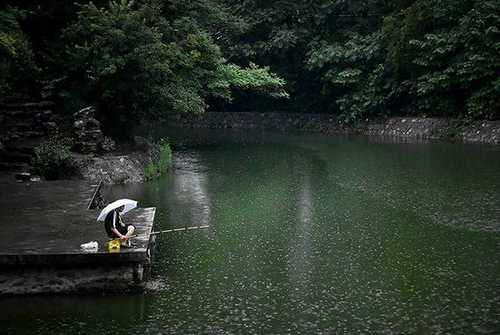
<point>417,128</point>
<point>121,167</point>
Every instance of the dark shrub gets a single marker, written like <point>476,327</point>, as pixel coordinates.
<point>53,159</point>
<point>161,157</point>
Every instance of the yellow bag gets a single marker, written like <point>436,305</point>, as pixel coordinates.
<point>114,245</point>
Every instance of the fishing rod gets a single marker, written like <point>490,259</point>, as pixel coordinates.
<point>175,230</point>
<point>179,229</point>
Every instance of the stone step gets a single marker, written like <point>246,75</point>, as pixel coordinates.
<point>17,167</point>
<point>22,148</point>
<point>33,133</point>
<point>25,146</point>
<point>22,125</point>
<point>28,106</point>
<point>15,157</point>
<point>17,136</point>
<point>17,113</point>
<point>13,115</point>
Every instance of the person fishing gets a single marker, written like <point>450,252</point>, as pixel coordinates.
<point>115,228</point>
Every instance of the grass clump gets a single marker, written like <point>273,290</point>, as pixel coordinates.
<point>53,159</point>
<point>161,160</point>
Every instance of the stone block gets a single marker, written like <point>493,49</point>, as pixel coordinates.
<point>23,176</point>
<point>93,124</point>
<point>79,124</point>
<point>85,147</point>
<point>142,143</point>
<point>108,144</point>
<point>50,126</point>
<point>84,113</point>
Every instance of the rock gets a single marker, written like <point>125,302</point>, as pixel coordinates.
<point>114,169</point>
<point>79,124</point>
<point>23,176</point>
<point>94,136</point>
<point>84,112</point>
<point>46,115</point>
<point>108,144</point>
<point>47,104</point>
<point>142,143</point>
<point>50,126</point>
<point>93,124</point>
<point>87,133</point>
<point>30,134</point>
<point>79,133</point>
<point>119,178</point>
<point>16,136</point>
<point>85,147</point>
<point>88,147</point>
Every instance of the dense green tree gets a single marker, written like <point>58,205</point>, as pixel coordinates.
<point>17,66</point>
<point>375,58</point>
<point>139,64</point>
<point>353,59</point>
<point>282,35</point>
<point>458,60</point>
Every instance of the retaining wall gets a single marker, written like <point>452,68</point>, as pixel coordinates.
<point>403,127</point>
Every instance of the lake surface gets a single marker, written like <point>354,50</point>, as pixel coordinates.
<point>309,235</point>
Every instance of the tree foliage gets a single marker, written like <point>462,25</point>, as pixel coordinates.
<point>16,56</point>
<point>462,62</point>
<point>137,63</point>
<point>375,58</point>
<point>353,59</point>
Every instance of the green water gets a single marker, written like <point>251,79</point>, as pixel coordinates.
<point>309,235</point>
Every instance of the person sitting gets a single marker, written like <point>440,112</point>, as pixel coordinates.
<point>115,228</point>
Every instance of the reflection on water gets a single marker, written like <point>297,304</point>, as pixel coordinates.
<point>300,248</point>
<point>190,190</point>
<point>309,235</point>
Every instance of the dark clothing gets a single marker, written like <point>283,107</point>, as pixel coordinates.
<point>114,220</point>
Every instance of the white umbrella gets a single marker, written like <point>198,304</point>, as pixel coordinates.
<point>126,203</point>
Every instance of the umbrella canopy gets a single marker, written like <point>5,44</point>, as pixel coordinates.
<point>126,203</point>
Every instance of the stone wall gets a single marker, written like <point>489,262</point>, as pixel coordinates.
<point>87,133</point>
<point>437,128</point>
<point>113,169</point>
<point>271,121</point>
<point>27,120</point>
<point>71,279</point>
<point>409,127</point>
<point>481,132</point>
<point>416,128</point>
<point>22,126</point>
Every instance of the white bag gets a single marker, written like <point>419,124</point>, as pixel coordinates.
<point>90,245</point>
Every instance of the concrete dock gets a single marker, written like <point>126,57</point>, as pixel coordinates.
<point>42,228</point>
